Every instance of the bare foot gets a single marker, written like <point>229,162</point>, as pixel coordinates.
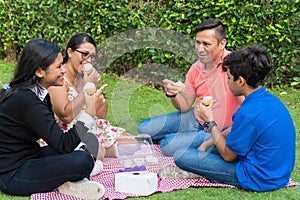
<point>110,151</point>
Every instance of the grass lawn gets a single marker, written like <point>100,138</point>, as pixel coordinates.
<point>129,103</point>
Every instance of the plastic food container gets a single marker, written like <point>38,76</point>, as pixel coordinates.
<point>135,151</point>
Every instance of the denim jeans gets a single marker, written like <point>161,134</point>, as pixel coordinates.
<point>174,130</point>
<point>172,142</point>
<point>176,122</point>
<point>46,172</point>
<point>207,164</point>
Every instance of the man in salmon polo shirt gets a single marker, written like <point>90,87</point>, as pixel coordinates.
<point>184,128</point>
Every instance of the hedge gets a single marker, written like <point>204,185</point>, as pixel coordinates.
<point>138,33</point>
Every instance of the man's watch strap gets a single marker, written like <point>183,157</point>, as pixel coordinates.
<point>171,96</point>
<point>209,125</point>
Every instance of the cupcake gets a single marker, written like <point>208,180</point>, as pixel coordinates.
<point>207,100</point>
<point>88,68</point>
<point>90,88</point>
<point>179,86</point>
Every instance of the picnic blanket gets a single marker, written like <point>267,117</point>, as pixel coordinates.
<point>112,167</point>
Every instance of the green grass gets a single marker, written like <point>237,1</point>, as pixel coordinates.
<point>129,103</point>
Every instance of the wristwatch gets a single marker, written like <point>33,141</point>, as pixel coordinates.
<point>208,125</point>
<point>171,96</point>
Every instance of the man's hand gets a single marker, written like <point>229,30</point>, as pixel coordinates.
<point>170,87</point>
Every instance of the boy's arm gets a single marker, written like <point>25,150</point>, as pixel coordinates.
<point>210,142</point>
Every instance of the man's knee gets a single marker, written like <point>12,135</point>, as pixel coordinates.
<point>143,126</point>
<point>167,148</point>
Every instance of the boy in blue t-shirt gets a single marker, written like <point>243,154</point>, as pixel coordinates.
<point>258,151</point>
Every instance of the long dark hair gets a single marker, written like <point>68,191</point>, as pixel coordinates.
<point>77,40</point>
<point>37,53</point>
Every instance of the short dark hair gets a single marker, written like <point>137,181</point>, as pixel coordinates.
<point>216,24</point>
<point>253,63</point>
<point>77,40</point>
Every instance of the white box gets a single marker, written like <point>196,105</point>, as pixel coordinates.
<point>139,182</point>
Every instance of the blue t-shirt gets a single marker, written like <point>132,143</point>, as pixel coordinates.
<point>263,135</point>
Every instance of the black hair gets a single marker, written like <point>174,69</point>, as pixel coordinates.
<point>37,53</point>
<point>77,40</point>
<point>220,29</point>
<point>253,63</point>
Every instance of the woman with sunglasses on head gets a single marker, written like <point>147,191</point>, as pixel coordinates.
<point>26,116</point>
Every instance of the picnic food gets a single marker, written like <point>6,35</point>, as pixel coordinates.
<point>207,100</point>
<point>88,67</point>
<point>90,88</point>
<point>179,86</point>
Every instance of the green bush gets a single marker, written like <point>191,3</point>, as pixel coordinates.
<point>271,23</point>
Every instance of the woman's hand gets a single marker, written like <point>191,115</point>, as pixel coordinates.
<point>92,76</point>
<point>100,99</point>
<point>94,101</point>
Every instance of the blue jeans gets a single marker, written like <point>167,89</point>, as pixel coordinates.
<point>176,122</point>
<point>207,164</point>
<point>46,172</point>
<point>174,130</point>
<point>172,142</point>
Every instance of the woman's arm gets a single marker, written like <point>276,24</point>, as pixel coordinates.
<point>65,109</point>
<point>102,111</point>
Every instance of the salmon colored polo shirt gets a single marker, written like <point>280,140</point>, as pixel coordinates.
<point>202,83</point>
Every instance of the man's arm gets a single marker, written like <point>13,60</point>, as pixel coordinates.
<point>183,102</point>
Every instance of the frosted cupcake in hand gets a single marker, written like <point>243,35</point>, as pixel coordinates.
<point>90,88</point>
<point>179,86</point>
<point>208,100</point>
<point>88,67</point>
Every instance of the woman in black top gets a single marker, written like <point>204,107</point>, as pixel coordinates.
<point>26,116</point>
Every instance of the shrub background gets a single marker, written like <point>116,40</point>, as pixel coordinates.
<point>272,23</point>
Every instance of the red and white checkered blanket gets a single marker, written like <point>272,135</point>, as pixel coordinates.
<point>112,166</point>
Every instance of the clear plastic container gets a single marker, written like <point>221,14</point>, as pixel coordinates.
<point>135,151</point>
